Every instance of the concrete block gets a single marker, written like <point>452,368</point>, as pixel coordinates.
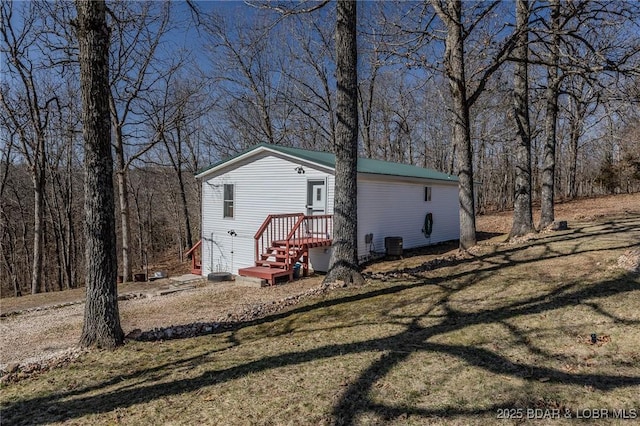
<point>250,281</point>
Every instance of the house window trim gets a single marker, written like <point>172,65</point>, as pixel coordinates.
<point>225,201</point>
<point>428,193</point>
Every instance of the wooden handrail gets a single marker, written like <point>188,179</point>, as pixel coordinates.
<point>295,227</point>
<point>196,267</point>
<point>289,227</point>
<point>311,228</point>
<point>269,218</point>
<point>275,227</point>
<point>192,249</point>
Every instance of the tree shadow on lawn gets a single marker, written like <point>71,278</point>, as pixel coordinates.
<point>502,255</point>
<point>495,260</point>
<point>356,400</point>
<point>491,262</point>
<point>414,338</point>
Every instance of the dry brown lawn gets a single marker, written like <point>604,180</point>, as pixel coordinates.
<point>504,332</point>
<point>38,335</point>
<point>578,210</point>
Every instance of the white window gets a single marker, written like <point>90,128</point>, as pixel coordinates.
<point>228,201</point>
<point>427,193</point>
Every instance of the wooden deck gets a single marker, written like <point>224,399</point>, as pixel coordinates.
<point>283,241</point>
<point>309,242</point>
<point>265,272</point>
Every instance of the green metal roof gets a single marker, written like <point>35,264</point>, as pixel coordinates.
<point>365,165</point>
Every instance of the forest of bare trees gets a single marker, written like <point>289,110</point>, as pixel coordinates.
<point>528,102</point>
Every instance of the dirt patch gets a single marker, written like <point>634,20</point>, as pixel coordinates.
<point>10,305</point>
<point>39,335</point>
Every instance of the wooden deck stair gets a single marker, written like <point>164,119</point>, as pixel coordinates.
<point>284,240</point>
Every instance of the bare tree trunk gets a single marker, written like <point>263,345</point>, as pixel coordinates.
<point>185,210</point>
<point>343,264</point>
<point>574,137</point>
<point>123,199</point>
<point>183,192</point>
<point>551,122</point>
<point>582,98</point>
<point>461,138</point>
<point>60,209</point>
<point>10,264</point>
<point>137,203</point>
<point>366,110</point>
<point>522,215</point>
<point>482,160</point>
<point>57,240</point>
<point>7,239</point>
<point>17,292</point>
<point>7,248</point>
<point>38,226</point>
<point>70,234</point>
<point>101,317</point>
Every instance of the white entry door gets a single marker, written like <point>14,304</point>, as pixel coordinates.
<point>316,197</point>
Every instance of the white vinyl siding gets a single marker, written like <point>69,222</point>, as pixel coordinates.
<point>268,183</point>
<point>398,209</point>
<point>263,185</point>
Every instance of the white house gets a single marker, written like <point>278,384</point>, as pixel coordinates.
<point>240,193</point>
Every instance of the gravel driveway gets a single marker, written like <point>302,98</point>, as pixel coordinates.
<point>35,336</point>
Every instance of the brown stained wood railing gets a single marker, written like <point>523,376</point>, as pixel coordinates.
<point>196,263</point>
<point>275,227</point>
<point>295,229</point>
<point>309,231</point>
<point>312,229</point>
